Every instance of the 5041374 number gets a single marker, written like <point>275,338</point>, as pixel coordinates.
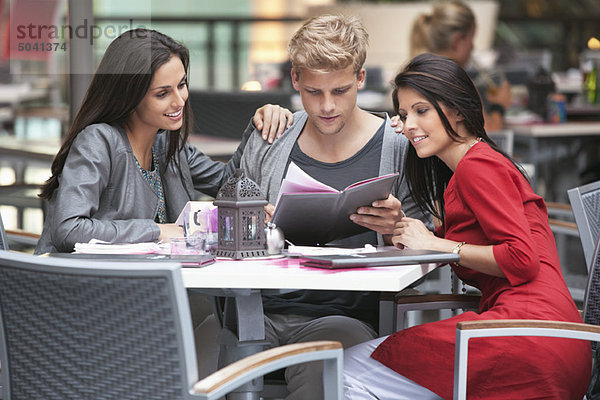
<point>42,46</point>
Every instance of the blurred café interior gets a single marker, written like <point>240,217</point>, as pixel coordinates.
<point>549,51</point>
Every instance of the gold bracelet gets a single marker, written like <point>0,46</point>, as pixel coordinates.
<point>456,250</point>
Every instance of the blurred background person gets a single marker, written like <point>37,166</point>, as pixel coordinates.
<point>449,31</point>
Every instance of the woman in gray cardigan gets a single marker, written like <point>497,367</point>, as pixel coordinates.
<point>125,170</point>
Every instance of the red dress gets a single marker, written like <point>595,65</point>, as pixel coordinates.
<point>489,202</point>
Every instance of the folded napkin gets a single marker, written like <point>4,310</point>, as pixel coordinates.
<point>304,251</point>
<point>96,246</point>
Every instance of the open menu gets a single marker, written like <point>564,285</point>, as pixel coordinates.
<point>312,213</point>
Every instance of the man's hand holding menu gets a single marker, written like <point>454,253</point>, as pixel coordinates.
<point>310,212</point>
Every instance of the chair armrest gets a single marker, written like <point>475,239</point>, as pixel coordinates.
<point>466,330</point>
<point>22,237</point>
<point>527,324</point>
<point>388,309</point>
<point>392,296</point>
<point>558,206</point>
<point>566,225</point>
<point>388,296</point>
<point>562,210</point>
<point>433,302</point>
<point>246,369</point>
<point>467,299</point>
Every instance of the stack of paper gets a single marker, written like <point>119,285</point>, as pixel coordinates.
<point>96,246</point>
<point>304,251</point>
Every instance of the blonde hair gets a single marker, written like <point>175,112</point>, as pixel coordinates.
<point>329,43</point>
<point>432,33</point>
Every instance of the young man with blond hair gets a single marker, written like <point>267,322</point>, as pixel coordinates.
<point>337,143</point>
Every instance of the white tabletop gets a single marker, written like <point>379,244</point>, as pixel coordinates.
<point>39,149</point>
<point>15,93</point>
<point>557,130</point>
<point>288,274</point>
<point>47,148</point>
<point>214,146</point>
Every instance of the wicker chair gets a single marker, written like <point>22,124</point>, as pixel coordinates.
<point>75,330</point>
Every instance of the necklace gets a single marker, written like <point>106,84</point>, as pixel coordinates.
<point>152,176</point>
<point>144,165</point>
<point>477,140</point>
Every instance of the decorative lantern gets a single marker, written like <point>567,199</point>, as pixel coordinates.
<point>241,218</point>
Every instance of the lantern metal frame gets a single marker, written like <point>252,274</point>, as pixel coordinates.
<point>241,219</point>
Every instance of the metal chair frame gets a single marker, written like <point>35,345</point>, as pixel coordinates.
<point>18,267</point>
<point>3,238</point>
<point>585,201</point>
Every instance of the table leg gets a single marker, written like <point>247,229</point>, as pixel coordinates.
<point>242,334</point>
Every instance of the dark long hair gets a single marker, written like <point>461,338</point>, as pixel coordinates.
<point>441,81</point>
<point>117,88</point>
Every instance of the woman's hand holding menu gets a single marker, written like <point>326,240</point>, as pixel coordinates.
<point>381,216</point>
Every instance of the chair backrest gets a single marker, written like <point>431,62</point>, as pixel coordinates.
<point>74,329</point>
<point>3,238</point>
<point>585,201</point>
<point>504,139</point>
<point>591,315</point>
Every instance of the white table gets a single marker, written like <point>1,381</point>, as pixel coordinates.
<point>545,145</point>
<point>286,273</point>
<point>20,154</point>
<point>15,93</point>
<point>567,129</point>
<point>244,282</point>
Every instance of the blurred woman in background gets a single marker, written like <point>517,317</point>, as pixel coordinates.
<point>449,31</point>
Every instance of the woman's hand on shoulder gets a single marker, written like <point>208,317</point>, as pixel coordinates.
<point>168,231</point>
<point>272,120</point>
<point>395,122</point>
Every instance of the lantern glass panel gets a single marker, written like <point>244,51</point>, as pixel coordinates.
<point>228,228</point>
<point>251,230</point>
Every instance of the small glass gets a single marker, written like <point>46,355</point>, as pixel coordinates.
<point>194,245</point>
<point>204,223</point>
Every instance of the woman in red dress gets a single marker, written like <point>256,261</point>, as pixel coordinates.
<point>490,215</point>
